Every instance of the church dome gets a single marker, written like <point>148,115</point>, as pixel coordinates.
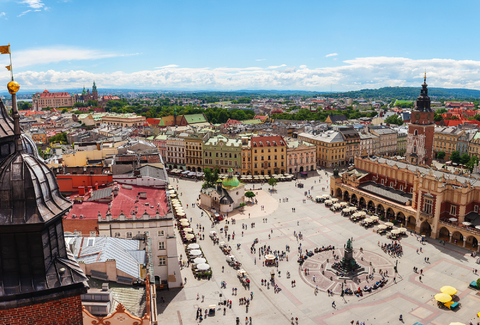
<point>29,192</point>
<point>231,181</point>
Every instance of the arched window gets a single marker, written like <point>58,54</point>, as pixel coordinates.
<point>414,149</point>
<point>415,132</point>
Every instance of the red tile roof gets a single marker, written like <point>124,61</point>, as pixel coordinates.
<point>47,94</point>
<point>274,141</point>
<point>126,201</point>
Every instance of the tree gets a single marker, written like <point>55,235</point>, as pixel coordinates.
<point>472,163</point>
<point>58,138</point>
<point>249,195</point>
<point>23,106</point>
<point>211,177</point>
<point>464,158</point>
<point>272,182</point>
<point>440,154</point>
<point>455,157</point>
<point>92,103</point>
<point>394,119</point>
<point>64,110</point>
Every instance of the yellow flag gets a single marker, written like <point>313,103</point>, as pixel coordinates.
<point>5,49</point>
<point>9,67</point>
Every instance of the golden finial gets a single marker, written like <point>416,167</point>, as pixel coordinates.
<point>425,76</point>
<point>13,87</point>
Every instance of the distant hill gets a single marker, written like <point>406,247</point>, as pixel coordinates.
<point>408,93</point>
<point>402,93</point>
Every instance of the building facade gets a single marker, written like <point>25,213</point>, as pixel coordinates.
<point>194,152</point>
<point>387,140</point>
<point>330,146</point>
<point>176,153</point>
<point>420,198</point>
<point>268,155</point>
<point>301,156</point>
<point>246,156</point>
<point>421,130</point>
<point>446,140</point>
<point>54,100</point>
<point>368,143</point>
<point>352,143</point>
<point>223,153</point>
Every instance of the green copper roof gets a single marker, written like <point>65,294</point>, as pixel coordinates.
<point>230,181</point>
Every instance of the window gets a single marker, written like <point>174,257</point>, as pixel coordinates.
<point>162,260</point>
<point>93,234</point>
<point>91,241</point>
<point>476,208</point>
<point>427,206</point>
<point>161,245</point>
<point>161,233</point>
<point>453,210</point>
<point>391,184</point>
<point>382,181</point>
<point>401,187</point>
<point>117,234</point>
<point>129,235</point>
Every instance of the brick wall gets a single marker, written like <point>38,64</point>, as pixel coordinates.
<point>82,225</point>
<point>59,312</point>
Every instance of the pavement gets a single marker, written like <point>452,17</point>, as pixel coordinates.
<point>410,295</point>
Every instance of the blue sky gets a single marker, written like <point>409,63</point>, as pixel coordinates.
<point>228,45</point>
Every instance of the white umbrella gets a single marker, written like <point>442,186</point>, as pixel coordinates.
<point>346,210</point>
<point>203,267</point>
<point>453,219</point>
<point>374,218</point>
<point>325,196</point>
<point>343,204</point>
<point>319,197</point>
<point>189,236</point>
<point>171,192</point>
<point>388,224</point>
<point>170,187</point>
<point>199,260</point>
<point>195,252</point>
<point>193,246</point>
<point>181,214</point>
<point>466,223</point>
<point>478,227</point>
<point>336,205</point>
<point>328,201</point>
<point>173,195</point>
<point>382,227</point>
<point>269,257</point>
<point>395,231</point>
<point>353,208</point>
<point>362,213</point>
<point>188,229</point>
<point>184,222</point>
<point>334,200</point>
<point>402,229</point>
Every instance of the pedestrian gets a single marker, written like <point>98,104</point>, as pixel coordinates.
<point>203,298</point>
<point>420,278</point>
<point>185,279</point>
<point>333,305</point>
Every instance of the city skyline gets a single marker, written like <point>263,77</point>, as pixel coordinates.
<point>231,46</point>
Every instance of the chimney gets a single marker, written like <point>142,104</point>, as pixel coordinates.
<point>105,286</point>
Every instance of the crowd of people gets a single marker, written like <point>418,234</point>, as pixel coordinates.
<point>394,249</point>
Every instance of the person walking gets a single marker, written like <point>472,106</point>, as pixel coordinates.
<point>333,305</point>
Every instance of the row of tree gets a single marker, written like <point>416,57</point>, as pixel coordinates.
<point>306,115</point>
<point>464,159</point>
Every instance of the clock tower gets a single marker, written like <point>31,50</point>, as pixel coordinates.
<point>421,130</point>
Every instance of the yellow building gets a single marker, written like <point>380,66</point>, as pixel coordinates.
<point>268,155</point>
<point>445,139</point>
<point>246,156</point>
<point>194,152</point>
<point>330,147</point>
<point>474,146</point>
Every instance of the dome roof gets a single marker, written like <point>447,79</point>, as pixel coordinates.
<point>230,181</point>
<point>29,192</point>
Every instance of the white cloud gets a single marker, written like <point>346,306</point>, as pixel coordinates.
<point>358,73</point>
<point>54,54</point>
<point>2,14</point>
<point>35,4</point>
<point>167,66</point>
<point>303,66</point>
<point>331,54</point>
<point>260,59</point>
<point>277,66</point>
<point>23,13</point>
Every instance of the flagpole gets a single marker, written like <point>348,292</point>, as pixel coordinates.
<point>10,54</point>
